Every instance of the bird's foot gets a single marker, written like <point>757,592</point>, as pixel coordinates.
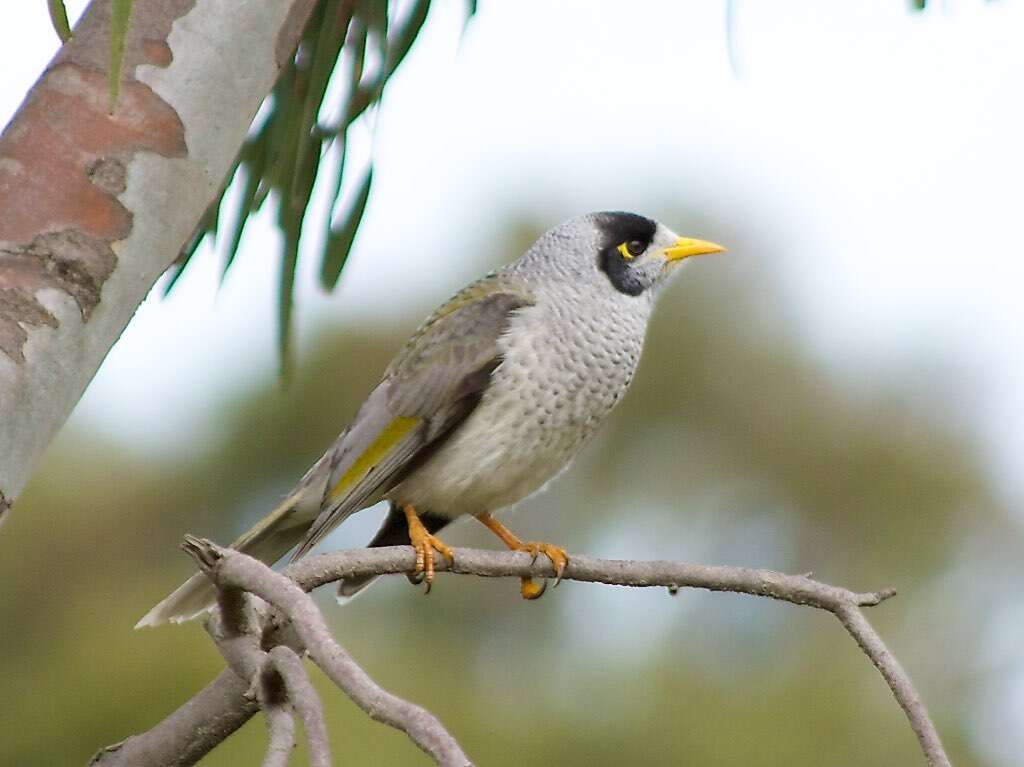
<point>425,544</point>
<point>530,588</point>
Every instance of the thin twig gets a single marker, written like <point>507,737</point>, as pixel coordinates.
<point>899,682</point>
<point>314,571</point>
<point>181,733</point>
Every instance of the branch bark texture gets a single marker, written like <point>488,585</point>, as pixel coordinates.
<point>95,204</point>
<point>182,741</point>
<point>235,572</point>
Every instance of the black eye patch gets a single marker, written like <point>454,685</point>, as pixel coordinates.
<point>629,230</point>
<point>623,277</point>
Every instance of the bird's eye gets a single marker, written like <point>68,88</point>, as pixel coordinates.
<point>632,249</point>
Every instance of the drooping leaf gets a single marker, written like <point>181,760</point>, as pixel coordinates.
<point>298,128</point>
<point>323,58</point>
<point>251,167</point>
<point>120,17</point>
<point>59,19</point>
<point>341,154</point>
<point>175,271</point>
<point>376,14</point>
<point>285,302</point>
<point>339,241</point>
<point>207,223</point>
<point>400,44</point>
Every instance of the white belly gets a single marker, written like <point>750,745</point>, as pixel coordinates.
<point>545,401</point>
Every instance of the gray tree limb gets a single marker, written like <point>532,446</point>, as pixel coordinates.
<point>226,706</point>
<point>230,569</point>
<point>96,203</point>
<point>278,678</point>
<point>288,666</point>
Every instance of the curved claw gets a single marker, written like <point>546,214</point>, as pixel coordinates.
<point>425,549</point>
<point>425,544</point>
<point>558,556</point>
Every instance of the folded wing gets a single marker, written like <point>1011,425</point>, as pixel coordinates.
<point>428,390</point>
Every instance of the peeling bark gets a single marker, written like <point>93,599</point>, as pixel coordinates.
<point>69,261</point>
<point>63,166</point>
<point>94,204</point>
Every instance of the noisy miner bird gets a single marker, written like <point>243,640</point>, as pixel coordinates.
<point>490,399</point>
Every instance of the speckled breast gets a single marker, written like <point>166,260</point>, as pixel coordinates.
<point>563,371</point>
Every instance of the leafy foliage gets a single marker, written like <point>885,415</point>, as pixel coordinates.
<point>300,137</point>
<point>301,134</point>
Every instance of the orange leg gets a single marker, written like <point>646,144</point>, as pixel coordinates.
<point>558,556</point>
<point>424,543</point>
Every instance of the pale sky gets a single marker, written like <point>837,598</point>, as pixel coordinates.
<point>876,155</point>
<point>879,147</point>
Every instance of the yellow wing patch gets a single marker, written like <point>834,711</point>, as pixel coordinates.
<point>373,454</point>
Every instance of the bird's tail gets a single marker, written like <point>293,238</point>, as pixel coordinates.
<point>268,540</point>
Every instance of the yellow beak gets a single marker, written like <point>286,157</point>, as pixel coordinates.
<point>685,247</point>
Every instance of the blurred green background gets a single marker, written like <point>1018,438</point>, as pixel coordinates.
<point>841,393</point>
<point>734,446</point>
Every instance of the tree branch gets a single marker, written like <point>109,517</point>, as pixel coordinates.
<point>232,570</point>
<point>277,678</point>
<point>288,666</point>
<point>186,735</point>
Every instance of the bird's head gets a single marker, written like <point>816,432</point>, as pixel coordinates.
<point>632,254</point>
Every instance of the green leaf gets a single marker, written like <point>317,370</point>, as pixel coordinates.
<point>357,41</point>
<point>283,134</point>
<point>208,223</point>
<point>175,270</point>
<point>376,14</point>
<point>281,159</point>
<point>59,19</point>
<point>120,16</point>
<point>324,57</point>
<point>339,241</point>
<point>252,161</point>
<point>339,175</point>
<point>285,302</point>
<point>399,46</point>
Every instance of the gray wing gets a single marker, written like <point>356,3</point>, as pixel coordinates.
<point>433,384</point>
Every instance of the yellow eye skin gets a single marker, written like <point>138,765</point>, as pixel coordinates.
<point>631,249</point>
